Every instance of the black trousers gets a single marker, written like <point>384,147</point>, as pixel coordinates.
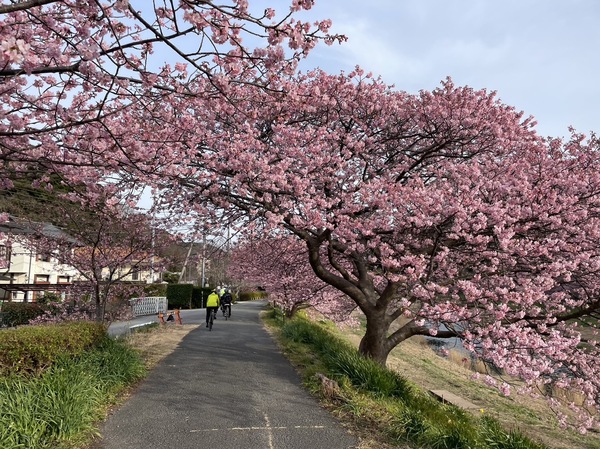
<point>209,310</point>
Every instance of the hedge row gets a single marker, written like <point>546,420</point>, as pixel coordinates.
<point>19,313</point>
<point>199,296</point>
<point>186,296</point>
<point>29,350</point>
<point>179,296</point>
<point>250,296</point>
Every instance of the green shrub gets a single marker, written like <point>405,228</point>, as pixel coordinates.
<point>179,296</point>
<point>66,401</point>
<point>47,298</point>
<point>155,290</point>
<point>20,313</point>
<point>29,350</point>
<point>199,296</point>
<point>367,374</point>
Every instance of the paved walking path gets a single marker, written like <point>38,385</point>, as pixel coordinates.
<point>228,388</point>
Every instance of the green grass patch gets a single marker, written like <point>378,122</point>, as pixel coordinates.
<point>382,400</point>
<point>61,407</point>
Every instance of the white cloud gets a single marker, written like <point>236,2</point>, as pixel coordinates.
<point>540,55</point>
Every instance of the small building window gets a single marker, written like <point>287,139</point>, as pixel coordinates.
<point>4,252</point>
<point>41,279</point>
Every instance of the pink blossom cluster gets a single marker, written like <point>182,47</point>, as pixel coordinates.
<point>70,69</point>
<point>13,50</point>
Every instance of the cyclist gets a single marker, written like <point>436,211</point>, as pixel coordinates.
<point>226,300</point>
<point>212,305</point>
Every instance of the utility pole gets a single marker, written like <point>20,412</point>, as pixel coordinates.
<point>203,276</point>
<point>227,247</point>
<point>186,261</point>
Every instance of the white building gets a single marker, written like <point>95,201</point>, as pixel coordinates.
<point>24,274</point>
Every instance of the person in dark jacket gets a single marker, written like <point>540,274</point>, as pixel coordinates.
<point>226,300</point>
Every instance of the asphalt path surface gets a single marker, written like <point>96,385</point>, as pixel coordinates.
<point>226,388</point>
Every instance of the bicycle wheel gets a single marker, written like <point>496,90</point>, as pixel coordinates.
<point>210,321</point>
<point>227,312</point>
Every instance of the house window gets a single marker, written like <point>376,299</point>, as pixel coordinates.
<point>41,279</point>
<point>4,252</point>
<point>135,276</point>
<point>63,280</point>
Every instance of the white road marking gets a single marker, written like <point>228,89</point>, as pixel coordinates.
<point>269,431</point>
<point>258,428</point>
<point>267,427</point>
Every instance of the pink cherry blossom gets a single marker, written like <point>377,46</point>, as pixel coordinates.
<point>444,208</point>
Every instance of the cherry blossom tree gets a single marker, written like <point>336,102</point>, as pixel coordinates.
<point>69,70</point>
<point>442,213</point>
<point>108,248</point>
<point>279,265</point>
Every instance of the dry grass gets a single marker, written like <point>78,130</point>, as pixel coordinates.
<point>415,360</point>
<point>157,343</point>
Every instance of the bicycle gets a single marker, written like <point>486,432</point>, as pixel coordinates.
<point>211,318</point>
<point>226,311</point>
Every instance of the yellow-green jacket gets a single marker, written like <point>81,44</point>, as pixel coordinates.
<point>213,300</point>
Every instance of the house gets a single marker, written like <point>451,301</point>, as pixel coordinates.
<point>25,275</point>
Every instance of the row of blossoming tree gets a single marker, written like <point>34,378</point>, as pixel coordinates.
<point>443,210</point>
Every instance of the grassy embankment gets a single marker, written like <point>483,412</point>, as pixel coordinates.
<point>418,362</point>
<point>58,382</point>
<point>396,411</point>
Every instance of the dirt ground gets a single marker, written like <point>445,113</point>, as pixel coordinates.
<point>157,343</point>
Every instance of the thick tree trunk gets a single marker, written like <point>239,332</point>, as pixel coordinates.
<point>375,344</point>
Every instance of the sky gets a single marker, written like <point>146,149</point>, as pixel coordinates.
<point>540,56</point>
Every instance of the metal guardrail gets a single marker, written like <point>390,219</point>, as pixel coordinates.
<point>150,305</point>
